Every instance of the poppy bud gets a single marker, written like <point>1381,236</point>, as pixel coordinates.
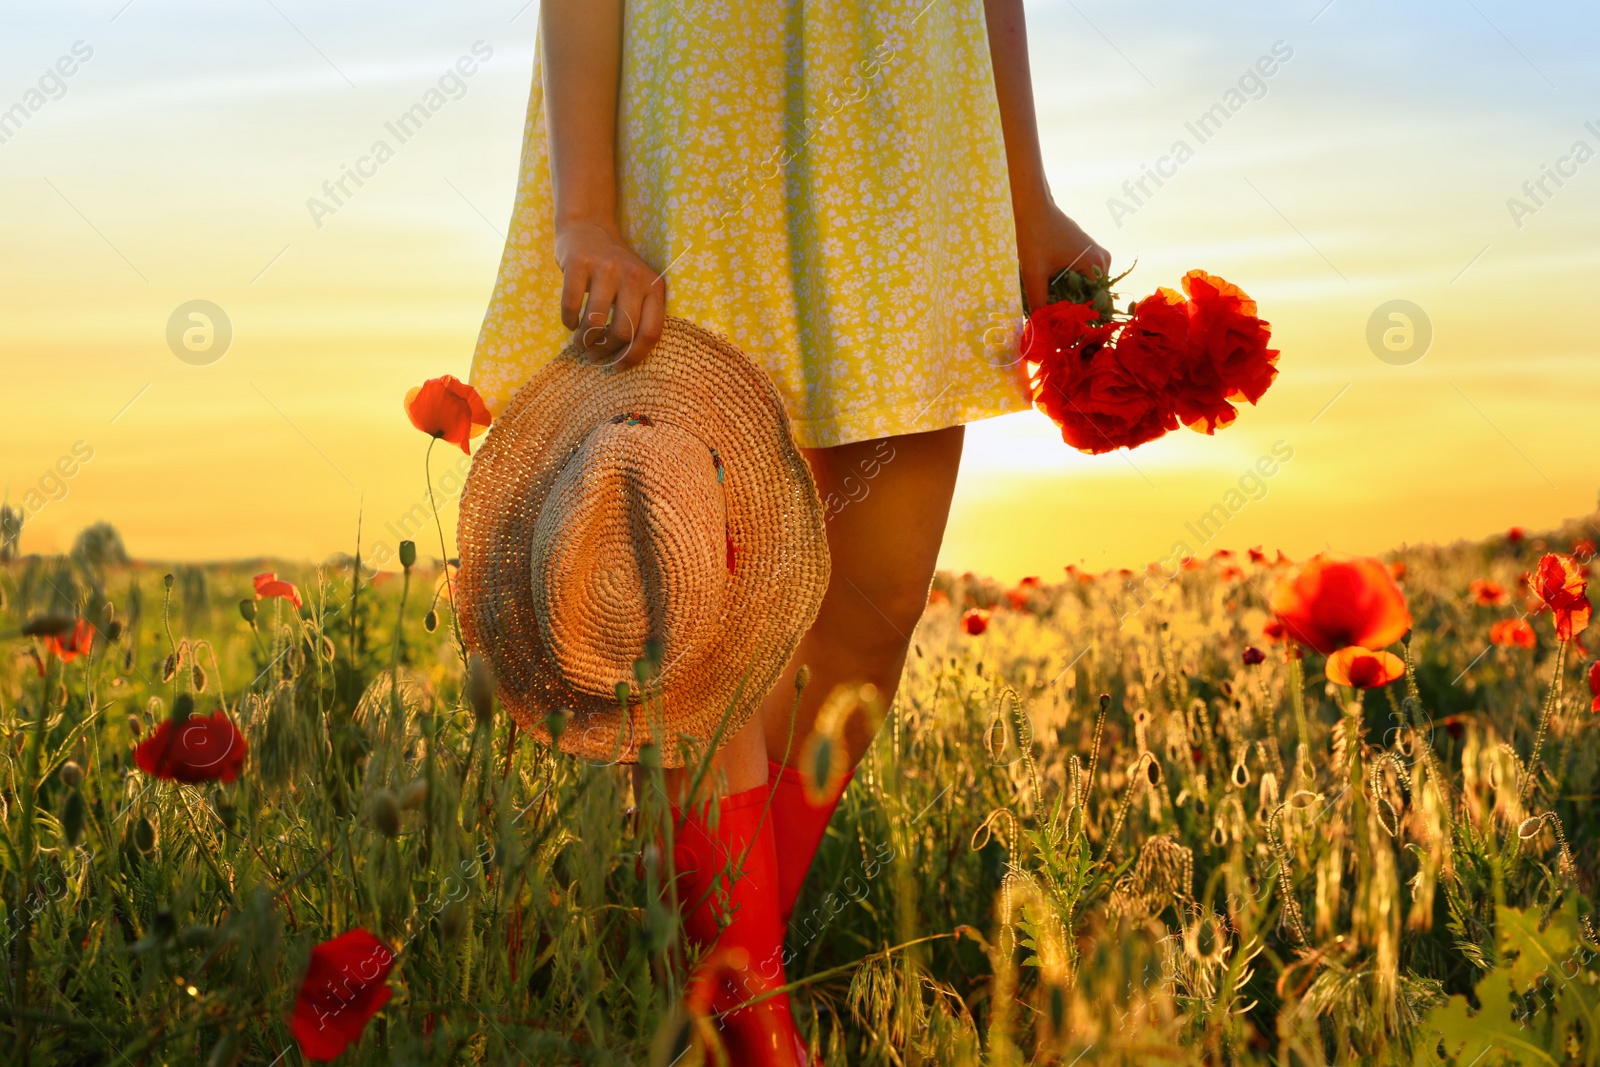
<point>48,626</point>
<point>113,629</point>
<point>144,835</point>
<point>167,579</point>
<point>802,678</point>
<point>414,794</point>
<point>654,652</point>
<point>72,816</point>
<point>430,621</point>
<point>386,813</point>
<point>1530,827</point>
<point>169,668</point>
<point>480,688</point>
<point>71,774</point>
<point>247,611</point>
<point>182,708</point>
<point>556,723</point>
<point>1253,655</point>
<point>135,725</point>
<point>408,554</point>
<point>1152,772</point>
<point>199,676</point>
<point>622,693</point>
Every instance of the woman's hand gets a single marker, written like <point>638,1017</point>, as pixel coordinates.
<point>1048,242</point>
<point>612,300</point>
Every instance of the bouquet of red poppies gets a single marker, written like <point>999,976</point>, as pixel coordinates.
<point>1117,380</point>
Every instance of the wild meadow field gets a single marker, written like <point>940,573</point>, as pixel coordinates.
<point>1121,824</point>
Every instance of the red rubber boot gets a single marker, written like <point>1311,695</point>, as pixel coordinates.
<point>799,825</point>
<point>746,957</point>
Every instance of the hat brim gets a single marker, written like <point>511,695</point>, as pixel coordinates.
<point>697,380</point>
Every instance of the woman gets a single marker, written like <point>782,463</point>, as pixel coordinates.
<point>848,192</point>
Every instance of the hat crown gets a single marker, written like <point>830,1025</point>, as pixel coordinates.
<point>629,546</point>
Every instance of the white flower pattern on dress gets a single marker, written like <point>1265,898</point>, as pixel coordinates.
<point>825,183</point>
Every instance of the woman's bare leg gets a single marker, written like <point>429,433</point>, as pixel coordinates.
<point>888,501</point>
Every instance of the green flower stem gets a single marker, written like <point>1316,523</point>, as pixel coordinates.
<point>1297,700</point>
<point>1551,702</point>
<point>26,846</point>
<point>444,550</point>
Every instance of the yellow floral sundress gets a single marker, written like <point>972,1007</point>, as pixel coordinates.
<point>825,184</point>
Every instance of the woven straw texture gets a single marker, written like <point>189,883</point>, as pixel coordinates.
<point>609,506</point>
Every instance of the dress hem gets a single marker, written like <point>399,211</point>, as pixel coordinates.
<point>891,421</point>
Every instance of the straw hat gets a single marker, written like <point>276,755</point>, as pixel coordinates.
<point>610,507</point>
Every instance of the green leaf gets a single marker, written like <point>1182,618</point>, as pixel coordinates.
<point>1537,952</point>
<point>1485,1039</point>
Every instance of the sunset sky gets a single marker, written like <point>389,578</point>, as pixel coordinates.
<point>1378,162</point>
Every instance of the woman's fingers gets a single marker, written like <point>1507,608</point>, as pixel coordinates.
<point>652,315</point>
<point>613,302</point>
<point>1096,258</point>
<point>627,312</point>
<point>574,283</point>
<point>597,310</point>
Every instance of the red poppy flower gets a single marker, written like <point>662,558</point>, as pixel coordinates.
<point>1515,535</point>
<point>937,597</point>
<point>1512,633</point>
<point>1330,603</point>
<point>1189,563</point>
<point>345,985</point>
<point>1489,594</point>
<point>448,409</point>
<point>1230,573</point>
<point>1272,630</point>
<point>1561,586</point>
<point>204,748</point>
<point>268,586</point>
<point>975,621</point>
<point>1594,685</point>
<point>1257,556</point>
<point>1397,568</point>
<point>1253,655</point>
<point>1364,668</point>
<point>1583,548</point>
<point>69,646</point>
<point>1093,382</point>
<point>1227,359</point>
<point>1032,581</point>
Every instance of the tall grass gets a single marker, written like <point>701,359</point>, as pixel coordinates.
<point>1092,834</point>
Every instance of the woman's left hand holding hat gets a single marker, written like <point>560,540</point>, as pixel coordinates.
<point>612,300</point>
